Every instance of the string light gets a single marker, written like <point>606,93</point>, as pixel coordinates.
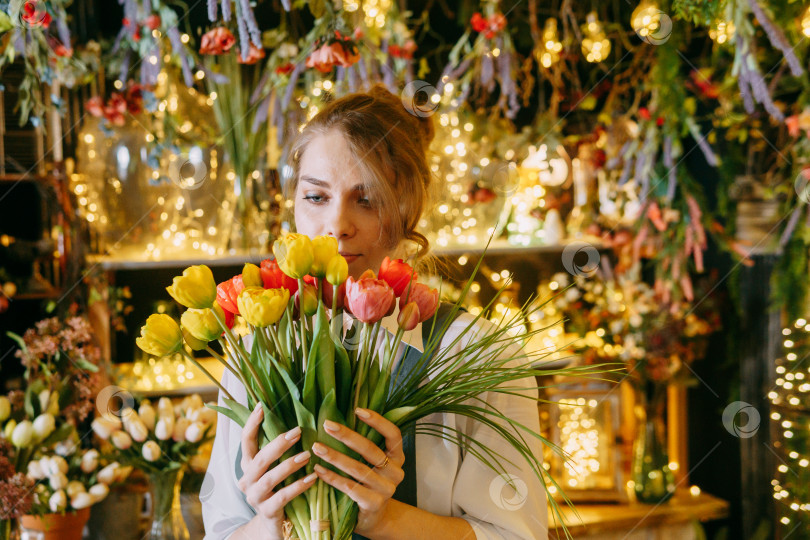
<point>805,23</point>
<point>595,44</point>
<point>646,19</point>
<point>552,46</point>
<point>722,31</point>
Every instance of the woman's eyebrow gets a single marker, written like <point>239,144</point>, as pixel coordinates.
<point>315,181</point>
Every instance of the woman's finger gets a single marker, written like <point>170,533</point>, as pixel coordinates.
<point>367,449</point>
<point>389,430</point>
<point>271,452</point>
<point>250,435</point>
<point>280,498</point>
<point>263,488</point>
<point>360,472</point>
<point>365,498</point>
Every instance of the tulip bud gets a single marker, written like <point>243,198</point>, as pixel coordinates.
<point>426,298</point>
<point>121,473</point>
<point>196,288</point>
<point>67,447</point>
<point>107,475</point>
<point>194,401</point>
<point>160,336</point>
<point>147,414</point>
<point>23,434</point>
<point>121,440</point>
<point>5,408</point>
<point>194,432</point>
<point>191,341</point>
<point>58,501</point>
<point>8,429</point>
<point>137,430</point>
<point>163,430</point>
<point>165,407</point>
<point>310,299</point>
<point>74,487</point>
<point>408,317</point>
<point>53,403</point>
<point>44,397</point>
<point>151,451</point>
<point>35,470</point>
<point>337,270</point>
<point>56,465</point>
<point>294,254</point>
<point>98,491</point>
<point>206,416</point>
<point>44,424</point>
<point>324,249</point>
<point>58,481</point>
<point>89,461</point>
<point>104,426</point>
<point>82,500</point>
<point>203,324</point>
<point>252,276</point>
<point>180,427</point>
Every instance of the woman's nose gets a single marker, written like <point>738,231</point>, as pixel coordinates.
<point>341,225</point>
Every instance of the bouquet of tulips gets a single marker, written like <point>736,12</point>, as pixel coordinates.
<point>71,482</point>
<point>305,367</point>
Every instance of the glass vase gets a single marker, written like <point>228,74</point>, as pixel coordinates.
<point>167,517</point>
<point>653,480</point>
<point>9,529</point>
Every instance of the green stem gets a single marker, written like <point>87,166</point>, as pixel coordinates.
<point>230,338</point>
<point>303,321</point>
<point>224,362</point>
<point>207,373</point>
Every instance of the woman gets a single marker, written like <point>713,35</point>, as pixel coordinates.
<point>360,174</point>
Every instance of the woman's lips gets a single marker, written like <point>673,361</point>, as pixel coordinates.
<point>350,257</point>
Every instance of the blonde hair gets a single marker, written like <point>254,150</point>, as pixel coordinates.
<point>390,145</point>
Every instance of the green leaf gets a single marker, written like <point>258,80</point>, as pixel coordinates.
<point>329,411</point>
<point>325,358</point>
<point>60,434</point>
<point>271,426</point>
<point>230,413</point>
<point>343,376</point>
<point>309,433</point>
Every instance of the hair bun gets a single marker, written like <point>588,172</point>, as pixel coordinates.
<point>421,124</point>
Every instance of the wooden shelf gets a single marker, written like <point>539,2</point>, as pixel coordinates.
<point>605,518</point>
<point>15,177</point>
<point>120,263</point>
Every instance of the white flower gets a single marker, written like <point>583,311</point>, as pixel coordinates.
<point>22,434</point>
<point>66,448</point>
<point>121,473</point>
<point>572,295</point>
<point>207,416</point>
<point>561,278</point>
<point>104,426</point>
<point>58,501</point>
<point>180,428</point>
<point>99,491</point>
<point>163,430</point>
<point>151,451</point>
<point>121,440</point>
<point>57,464</point>
<point>82,500</point>
<point>193,401</point>
<point>194,432</point>
<point>137,429</point>
<point>129,416</point>
<point>89,461</point>
<point>58,481</point>
<point>287,50</point>
<point>5,408</point>
<point>35,470</point>
<point>44,397</point>
<point>635,320</point>
<point>165,407</point>
<point>74,487</point>
<point>107,475</point>
<point>148,415</point>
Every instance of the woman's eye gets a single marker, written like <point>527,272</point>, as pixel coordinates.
<point>314,198</point>
<point>364,201</point>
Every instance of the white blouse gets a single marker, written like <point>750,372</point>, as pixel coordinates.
<point>449,481</point>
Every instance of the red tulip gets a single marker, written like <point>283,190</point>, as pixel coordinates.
<point>398,274</point>
<point>35,17</point>
<point>327,294</point>
<point>152,22</point>
<point>426,298</point>
<point>368,299</point>
<point>408,316</point>
<point>274,278</point>
<point>228,291</point>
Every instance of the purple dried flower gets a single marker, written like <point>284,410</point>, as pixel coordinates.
<point>212,10</point>
<point>261,114</point>
<point>670,165</point>
<point>244,38</point>
<point>288,92</point>
<point>777,38</point>
<point>250,19</point>
<point>791,225</point>
<point>226,10</point>
<point>257,92</point>
<point>351,77</point>
<point>487,73</point>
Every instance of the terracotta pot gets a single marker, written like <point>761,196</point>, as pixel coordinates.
<point>57,526</point>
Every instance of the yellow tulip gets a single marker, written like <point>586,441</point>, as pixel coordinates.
<point>324,248</point>
<point>203,323</point>
<point>252,276</point>
<point>196,288</point>
<point>337,270</point>
<point>160,336</point>
<point>262,307</point>
<point>191,341</point>
<point>294,254</point>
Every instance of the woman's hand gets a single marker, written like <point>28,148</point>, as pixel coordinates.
<point>258,483</point>
<point>373,486</point>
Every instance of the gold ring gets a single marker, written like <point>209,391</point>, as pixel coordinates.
<point>383,464</point>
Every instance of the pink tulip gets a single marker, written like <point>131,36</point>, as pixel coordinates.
<point>369,299</point>
<point>426,299</point>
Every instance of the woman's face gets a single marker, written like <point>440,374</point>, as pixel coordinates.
<point>330,200</point>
